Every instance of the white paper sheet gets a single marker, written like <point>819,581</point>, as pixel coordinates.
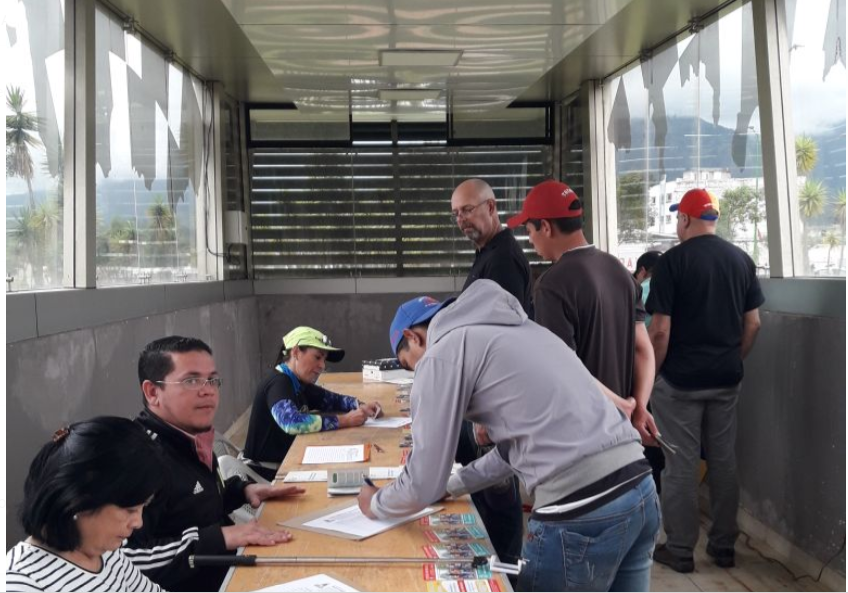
<point>334,454</point>
<point>385,473</point>
<point>351,520</point>
<point>390,422</point>
<point>399,381</point>
<point>318,582</point>
<point>306,476</point>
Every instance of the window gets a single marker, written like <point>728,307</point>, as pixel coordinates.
<point>34,63</point>
<point>816,37</point>
<point>687,117</point>
<point>152,123</point>
<point>376,210</point>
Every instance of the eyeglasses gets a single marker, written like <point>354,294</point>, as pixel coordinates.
<point>195,383</point>
<point>465,211</point>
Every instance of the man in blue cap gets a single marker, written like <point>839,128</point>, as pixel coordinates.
<point>479,358</point>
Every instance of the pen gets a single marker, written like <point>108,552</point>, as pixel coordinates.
<point>368,481</point>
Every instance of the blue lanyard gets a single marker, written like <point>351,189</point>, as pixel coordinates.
<point>284,369</point>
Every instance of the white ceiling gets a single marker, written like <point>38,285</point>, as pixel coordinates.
<point>325,53</point>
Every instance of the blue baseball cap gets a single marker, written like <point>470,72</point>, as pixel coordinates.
<point>413,312</point>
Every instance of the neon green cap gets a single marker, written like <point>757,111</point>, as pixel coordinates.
<point>306,336</point>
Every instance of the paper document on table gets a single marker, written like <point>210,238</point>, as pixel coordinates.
<point>306,476</point>
<point>390,422</point>
<point>350,520</point>
<point>334,454</point>
<point>318,582</point>
<point>400,381</point>
<point>385,473</point>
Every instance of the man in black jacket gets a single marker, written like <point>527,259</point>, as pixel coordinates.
<point>181,392</point>
<point>497,257</point>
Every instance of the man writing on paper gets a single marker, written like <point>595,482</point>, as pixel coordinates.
<point>481,359</point>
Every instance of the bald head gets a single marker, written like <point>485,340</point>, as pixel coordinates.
<point>689,227</point>
<point>473,204</point>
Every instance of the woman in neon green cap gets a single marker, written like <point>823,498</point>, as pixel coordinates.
<point>286,401</point>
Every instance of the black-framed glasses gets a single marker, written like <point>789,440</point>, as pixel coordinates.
<point>195,383</point>
<point>465,211</point>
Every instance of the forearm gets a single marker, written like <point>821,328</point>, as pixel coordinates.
<point>644,367</point>
<point>750,329</point>
<point>626,406</point>
<point>659,333</point>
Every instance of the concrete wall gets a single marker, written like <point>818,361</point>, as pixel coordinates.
<point>73,375</point>
<point>791,442</point>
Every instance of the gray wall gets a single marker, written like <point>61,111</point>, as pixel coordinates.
<point>359,323</point>
<point>74,375</point>
<point>791,442</point>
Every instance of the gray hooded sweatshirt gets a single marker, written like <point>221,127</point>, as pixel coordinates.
<point>486,362</point>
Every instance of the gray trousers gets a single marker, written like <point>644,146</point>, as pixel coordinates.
<point>690,419</point>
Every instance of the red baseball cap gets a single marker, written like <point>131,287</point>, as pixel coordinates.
<point>550,199</point>
<point>698,203</point>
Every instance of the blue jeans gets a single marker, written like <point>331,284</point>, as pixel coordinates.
<point>607,549</point>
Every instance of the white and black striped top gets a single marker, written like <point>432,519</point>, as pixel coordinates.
<point>31,568</point>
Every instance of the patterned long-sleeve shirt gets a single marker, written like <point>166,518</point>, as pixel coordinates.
<point>285,407</point>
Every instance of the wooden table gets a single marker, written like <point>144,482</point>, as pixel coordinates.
<point>405,541</point>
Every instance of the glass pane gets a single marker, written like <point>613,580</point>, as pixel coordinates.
<point>34,64</point>
<point>150,123</point>
<point>683,119</point>
<point>816,36</point>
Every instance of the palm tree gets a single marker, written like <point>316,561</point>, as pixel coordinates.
<point>811,198</point>
<point>26,241</point>
<point>806,154</point>
<point>831,239</point>
<point>21,128</point>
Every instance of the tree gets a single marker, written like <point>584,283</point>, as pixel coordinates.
<point>21,128</point>
<point>738,206</point>
<point>831,239</point>
<point>632,208</point>
<point>806,154</point>
<point>162,228</point>
<point>811,198</point>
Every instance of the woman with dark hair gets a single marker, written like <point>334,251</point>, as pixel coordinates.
<point>288,402</point>
<point>83,497</point>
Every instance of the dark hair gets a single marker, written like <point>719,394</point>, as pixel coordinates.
<point>647,260</point>
<point>403,345</point>
<point>285,354</point>
<point>154,362</point>
<point>91,464</point>
<point>565,226</point>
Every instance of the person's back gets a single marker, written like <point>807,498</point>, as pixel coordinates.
<point>525,386</point>
<point>590,300</point>
<point>709,280</point>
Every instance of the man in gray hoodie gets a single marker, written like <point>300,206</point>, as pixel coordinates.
<point>596,514</point>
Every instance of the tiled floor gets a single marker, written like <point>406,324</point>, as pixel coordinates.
<point>752,572</point>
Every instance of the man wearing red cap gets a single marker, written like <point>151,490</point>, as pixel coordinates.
<point>590,301</point>
<point>705,300</point>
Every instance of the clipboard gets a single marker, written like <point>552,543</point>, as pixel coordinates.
<point>299,522</point>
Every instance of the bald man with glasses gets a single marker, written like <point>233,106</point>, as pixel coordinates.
<point>497,257</point>
<point>181,389</point>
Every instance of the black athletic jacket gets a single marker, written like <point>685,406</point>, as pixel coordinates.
<point>193,497</point>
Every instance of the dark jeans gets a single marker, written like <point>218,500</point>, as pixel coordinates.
<point>499,505</point>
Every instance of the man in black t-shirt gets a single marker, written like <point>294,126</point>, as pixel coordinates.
<point>590,300</point>
<point>498,257</point>
<point>705,300</point>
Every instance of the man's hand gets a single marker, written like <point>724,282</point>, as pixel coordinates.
<point>372,410</point>
<point>481,436</point>
<point>354,418</point>
<point>252,534</point>
<point>365,495</point>
<point>256,493</point>
<point>643,421</point>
